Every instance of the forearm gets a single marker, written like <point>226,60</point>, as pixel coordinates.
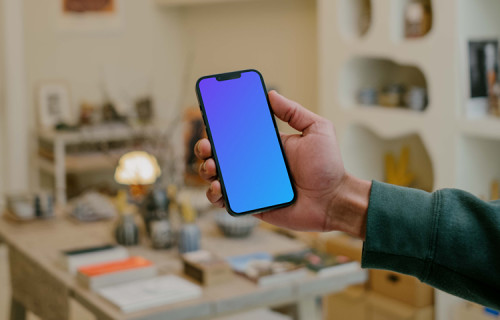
<point>348,210</point>
<point>448,239</point>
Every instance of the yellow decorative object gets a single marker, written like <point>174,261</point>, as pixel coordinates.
<point>397,171</point>
<point>122,204</point>
<point>137,168</point>
<point>188,212</point>
<point>495,190</point>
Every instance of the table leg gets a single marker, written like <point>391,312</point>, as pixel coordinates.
<point>306,309</point>
<point>36,288</point>
<point>17,310</point>
<point>60,172</point>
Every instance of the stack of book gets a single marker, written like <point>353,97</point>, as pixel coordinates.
<point>322,263</point>
<point>71,260</point>
<point>266,269</point>
<point>261,268</point>
<point>116,272</point>
<point>130,283</point>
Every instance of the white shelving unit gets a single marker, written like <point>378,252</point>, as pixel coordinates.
<point>447,148</point>
<point>59,163</point>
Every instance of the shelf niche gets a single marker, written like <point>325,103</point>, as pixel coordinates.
<point>364,152</point>
<point>361,73</point>
<point>414,19</point>
<point>355,17</point>
<point>478,164</point>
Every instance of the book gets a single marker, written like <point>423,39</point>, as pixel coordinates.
<point>262,269</point>
<point>324,264</point>
<point>115,272</point>
<point>143,294</point>
<point>71,260</point>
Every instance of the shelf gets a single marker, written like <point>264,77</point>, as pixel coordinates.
<point>360,73</point>
<point>355,18</point>
<point>363,152</point>
<point>478,164</point>
<point>387,122</point>
<point>488,127</point>
<point>81,163</point>
<point>186,3</point>
<point>96,134</point>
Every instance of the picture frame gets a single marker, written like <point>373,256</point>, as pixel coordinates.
<point>483,59</point>
<point>88,16</point>
<point>54,105</point>
<point>482,71</point>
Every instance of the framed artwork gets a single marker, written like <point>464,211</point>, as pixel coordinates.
<point>194,131</point>
<point>483,74</point>
<point>95,16</point>
<point>88,6</point>
<point>53,104</point>
<point>483,66</point>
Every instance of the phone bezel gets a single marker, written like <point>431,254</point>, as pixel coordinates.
<point>230,76</point>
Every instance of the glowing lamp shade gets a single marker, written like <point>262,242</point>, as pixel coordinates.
<point>137,168</point>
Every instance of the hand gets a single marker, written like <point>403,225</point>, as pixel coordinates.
<point>327,197</point>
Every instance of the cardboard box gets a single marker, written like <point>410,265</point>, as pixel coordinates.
<point>380,307</point>
<point>401,287</point>
<point>349,304</point>
<point>206,268</point>
<point>345,245</point>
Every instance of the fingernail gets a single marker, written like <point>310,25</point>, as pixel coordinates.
<point>198,147</point>
<point>204,166</point>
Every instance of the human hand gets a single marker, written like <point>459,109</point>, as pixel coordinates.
<point>327,197</point>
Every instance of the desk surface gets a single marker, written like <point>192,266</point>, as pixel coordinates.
<point>43,240</point>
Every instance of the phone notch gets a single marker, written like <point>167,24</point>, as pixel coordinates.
<point>228,76</point>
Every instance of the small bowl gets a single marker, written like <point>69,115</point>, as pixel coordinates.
<point>233,227</point>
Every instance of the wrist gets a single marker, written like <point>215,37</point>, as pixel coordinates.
<point>349,206</point>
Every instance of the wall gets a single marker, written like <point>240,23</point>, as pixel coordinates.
<point>276,37</point>
<point>124,59</point>
<point>15,154</point>
<point>142,53</point>
<point>2,112</point>
<point>162,51</point>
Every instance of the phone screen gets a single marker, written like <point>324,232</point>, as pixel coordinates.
<point>250,161</point>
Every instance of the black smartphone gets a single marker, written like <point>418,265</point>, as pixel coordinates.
<point>246,144</point>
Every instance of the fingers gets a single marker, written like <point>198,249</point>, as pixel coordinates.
<point>214,193</point>
<point>208,170</point>
<point>290,111</point>
<point>203,149</point>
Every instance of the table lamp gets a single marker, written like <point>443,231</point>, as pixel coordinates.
<point>138,170</point>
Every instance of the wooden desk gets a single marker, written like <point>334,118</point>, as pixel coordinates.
<point>42,287</point>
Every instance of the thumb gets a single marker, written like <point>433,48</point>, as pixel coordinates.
<point>290,111</point>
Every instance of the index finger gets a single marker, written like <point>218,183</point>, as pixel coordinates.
<point>203,149</point>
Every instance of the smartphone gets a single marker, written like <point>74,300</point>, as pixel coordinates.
<point>246,144</point>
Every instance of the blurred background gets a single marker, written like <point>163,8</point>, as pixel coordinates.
<point>98,119</point>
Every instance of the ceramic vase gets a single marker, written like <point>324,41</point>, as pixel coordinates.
<point>189,238</point>
<point>127,232</point>
<point>161,234</point>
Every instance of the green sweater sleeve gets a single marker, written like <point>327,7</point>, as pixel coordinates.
<point>448,239</point>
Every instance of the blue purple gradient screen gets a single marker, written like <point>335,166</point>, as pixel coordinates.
<point>247,147</point>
